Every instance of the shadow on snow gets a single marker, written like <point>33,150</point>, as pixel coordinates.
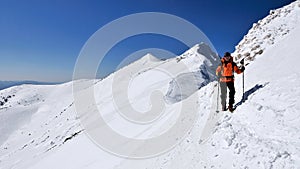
<point>250,92</point>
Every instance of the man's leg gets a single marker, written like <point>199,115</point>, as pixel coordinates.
<point>223,87</point>
<point>230,85</point>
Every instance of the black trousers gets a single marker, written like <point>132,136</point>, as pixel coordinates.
<point>223,86</point>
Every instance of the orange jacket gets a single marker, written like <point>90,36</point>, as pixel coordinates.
<point>227,70</point>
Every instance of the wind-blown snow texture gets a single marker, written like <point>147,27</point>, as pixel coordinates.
<point>40,129</point>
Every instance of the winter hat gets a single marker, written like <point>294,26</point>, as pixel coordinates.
<point>227,54</point>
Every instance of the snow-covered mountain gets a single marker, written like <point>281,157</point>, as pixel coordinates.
<point>40,128</point>
<point>39,122</point>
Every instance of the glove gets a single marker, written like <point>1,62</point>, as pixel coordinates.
<point>243,68</point>
<point>242,62</point>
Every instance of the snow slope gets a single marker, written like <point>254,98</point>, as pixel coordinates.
<point>264,131</point>
<point>40,129</point>
<point>33,122</point>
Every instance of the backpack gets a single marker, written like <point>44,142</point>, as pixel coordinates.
<point>224,64</point>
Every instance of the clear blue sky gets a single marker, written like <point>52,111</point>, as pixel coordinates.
<point>41,39</point>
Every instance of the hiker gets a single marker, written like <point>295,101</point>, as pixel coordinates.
<point>225,72</point>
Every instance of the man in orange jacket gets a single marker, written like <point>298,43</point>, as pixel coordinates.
<point>225,72</point>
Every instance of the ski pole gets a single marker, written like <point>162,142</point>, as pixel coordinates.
<point>242,62</point>
<point>218,86</point>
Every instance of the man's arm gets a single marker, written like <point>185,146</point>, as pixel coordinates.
<point>218,70</point>
<point>237,70</point>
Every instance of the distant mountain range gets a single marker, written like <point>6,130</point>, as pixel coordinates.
<point>7,84</point>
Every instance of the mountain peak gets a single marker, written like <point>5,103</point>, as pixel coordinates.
<point>199,53</point>
<point>150,57</point>
<point>200,48</point>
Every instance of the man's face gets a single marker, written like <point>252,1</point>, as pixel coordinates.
<point>227,58</point>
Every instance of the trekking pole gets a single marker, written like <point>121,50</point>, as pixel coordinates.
<point>218,86</point>
<point>242,62</point>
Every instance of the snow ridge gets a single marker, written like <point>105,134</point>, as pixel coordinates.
<point>268,31</point>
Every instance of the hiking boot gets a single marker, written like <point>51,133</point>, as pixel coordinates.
<point>224,108</point>
<point>230,108</point>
